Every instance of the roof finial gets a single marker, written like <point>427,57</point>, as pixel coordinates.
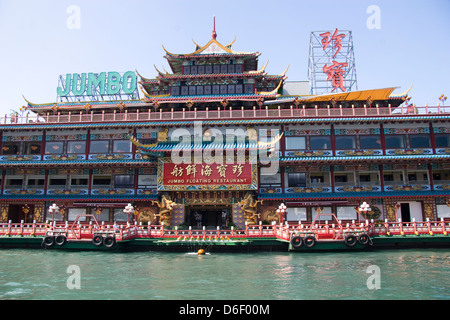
<point>214,34</point>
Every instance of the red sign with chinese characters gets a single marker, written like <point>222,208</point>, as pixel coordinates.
<point>206,174</point>
<point>335,72</point>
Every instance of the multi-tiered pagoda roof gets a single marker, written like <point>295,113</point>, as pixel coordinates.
<point>213,72</point>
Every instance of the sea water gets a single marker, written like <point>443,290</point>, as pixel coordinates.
<point>87,275</point>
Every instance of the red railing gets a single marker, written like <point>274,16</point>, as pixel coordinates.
<point>217,114</point>
<point>321,231</point>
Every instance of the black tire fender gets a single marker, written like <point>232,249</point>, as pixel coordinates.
<point>350,240</point>
<point>109,241</point>
<point>97,240</point>
<point>364,239</point>
<point>60,240</point>
<point>309,241</point>
<point>49,241</point>
<point>296,241</point>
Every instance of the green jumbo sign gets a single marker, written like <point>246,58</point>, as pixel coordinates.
<point>110,83</point>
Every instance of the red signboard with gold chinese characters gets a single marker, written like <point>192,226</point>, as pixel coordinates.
<point>206,176</point>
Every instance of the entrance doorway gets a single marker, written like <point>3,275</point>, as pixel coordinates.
<point>406,212</point>
<point>16,214</point>
<point>209,217</point>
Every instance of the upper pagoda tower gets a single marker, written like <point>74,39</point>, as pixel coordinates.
<point>211,75</point>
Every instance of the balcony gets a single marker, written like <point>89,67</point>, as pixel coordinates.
<point>220,114</point>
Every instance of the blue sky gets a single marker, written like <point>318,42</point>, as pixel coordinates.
<point>411,46</point>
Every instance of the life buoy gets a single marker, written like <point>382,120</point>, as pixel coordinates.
<point>364,239</point>
<point>97,240</point>
<point>296,241</point>
<point>309,241</point>
<point>60,240</point>
<point>350,240</point>
<point>109,241</point>
<point>49,241</point>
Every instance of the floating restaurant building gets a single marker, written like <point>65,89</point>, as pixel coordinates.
<point>219,142</point>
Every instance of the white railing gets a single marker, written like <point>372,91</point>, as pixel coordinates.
<point>151,115</point>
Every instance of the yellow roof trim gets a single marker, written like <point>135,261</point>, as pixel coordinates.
<point>260,70</point>
<point>161,73</point>
<point>200,49</point>
<point>362,95</point>
<point>284,72</point>
<point>231,44</point>
<point>402,94</point>
<point>273,91</point>
<point>143,78</point>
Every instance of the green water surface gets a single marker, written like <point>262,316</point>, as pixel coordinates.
<point>403,274</point>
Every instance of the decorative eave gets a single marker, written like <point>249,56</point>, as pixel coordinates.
<point>84,106</point>
<point>318,196</point>
<point>209,98</point>
<point>160,147</point>
<point>271,121</point>
<point>198,52</point>
<point>365,159</point>
<point>76,163</point>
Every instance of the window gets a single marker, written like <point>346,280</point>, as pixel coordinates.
<point>124,181</point>
<point>296,214</point>
<point>10,148</point>
<point>121,146</point>
<point>99,146</point>
<point>316,179</point>
<point>101,181</point>
<point>31,148</point>
<point>119,216</point>
<point>35,182</point>
<point>57,182</point>
<point>393,178</point>
<point>75,182</point>
<point>293,143</point>
<point>175,91</point>
<point>370,142</point>
<point>419,141</point>
<point>345,142</point>
<point>297,179</point>
<point>412,177</point>
<point>14,182</point>
<point>346,213</point>
<point>320,143</point>
<point>75,212</point>
<point>395,141</point>
<point>103,216</point>
<point>340,178</point>
<point>54,147</point>
<point>248,89</point>
<point>76,147</point>
<point>186,70</point>
<point>147,180</point>
<point>443,211</point>
<point>442,140</point>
